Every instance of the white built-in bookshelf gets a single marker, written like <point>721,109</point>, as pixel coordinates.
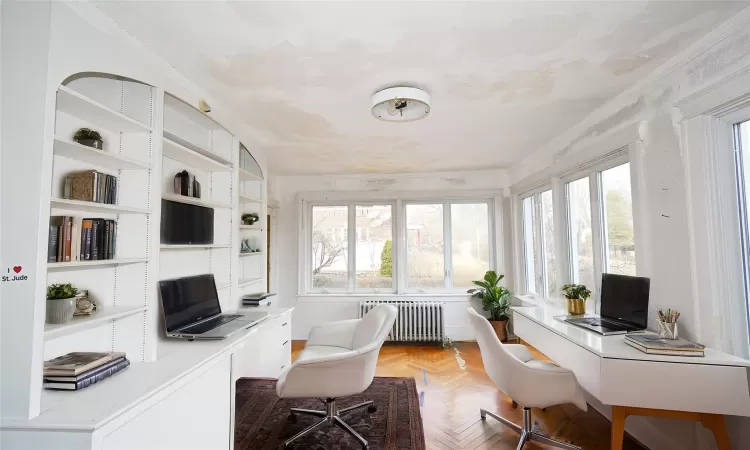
<point>149,136</point>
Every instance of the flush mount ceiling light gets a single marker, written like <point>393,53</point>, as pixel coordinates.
<point>400,104</point>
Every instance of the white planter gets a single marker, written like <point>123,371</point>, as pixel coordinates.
<point>60,310</point>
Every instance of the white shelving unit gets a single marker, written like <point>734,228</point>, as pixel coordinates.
<point>244,254</point>
<point>253,265</point>
<point>242,282</point>
<point>249,199</point>
<point>251,227</point>
<point>122,111</point>
<point>192,246</point>
<point>191,157</point>
<point>247,176</point>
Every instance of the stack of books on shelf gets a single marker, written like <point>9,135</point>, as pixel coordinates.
<point>77,370</point>
<point>653,344</point>
<point>258,299</point>
<point>91,186</point>
<point>73,239</point>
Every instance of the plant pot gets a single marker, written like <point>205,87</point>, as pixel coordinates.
<point>95,143</point>
<point>576,306</point>
<point>501,329</point>
<point>60,310</point>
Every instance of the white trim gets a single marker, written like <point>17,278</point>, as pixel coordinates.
<point>562,238</point>
<point>597,234</point>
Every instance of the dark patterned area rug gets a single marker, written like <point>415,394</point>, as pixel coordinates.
<point>261,418</point>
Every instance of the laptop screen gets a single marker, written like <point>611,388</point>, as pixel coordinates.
<point>188,300</point>
<point>625,299</point>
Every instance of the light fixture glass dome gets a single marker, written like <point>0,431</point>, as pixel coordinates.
<point>400,104</point>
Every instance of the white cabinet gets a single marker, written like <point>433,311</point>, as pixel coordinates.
<point>267,353</point>
<point>193,417</point>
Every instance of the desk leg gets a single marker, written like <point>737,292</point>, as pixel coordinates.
<point>715,423</point>
<point>619,414</point>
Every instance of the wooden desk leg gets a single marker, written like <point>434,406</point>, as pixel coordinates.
<point>715,423</point>
<point>619,414</point>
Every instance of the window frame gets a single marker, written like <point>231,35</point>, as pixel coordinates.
<point>399,249</point>
<point>538,231</point>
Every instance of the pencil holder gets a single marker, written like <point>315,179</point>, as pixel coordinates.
<point>668,330</point>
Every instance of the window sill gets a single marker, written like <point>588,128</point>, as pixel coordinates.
<point>340,296</point>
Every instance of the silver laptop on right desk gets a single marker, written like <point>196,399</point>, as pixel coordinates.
<point>624,306</point>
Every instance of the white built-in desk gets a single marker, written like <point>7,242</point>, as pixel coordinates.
<point>636,383</point>
<point>183,400</point>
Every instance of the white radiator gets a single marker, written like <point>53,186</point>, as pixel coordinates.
<point>416,321</point>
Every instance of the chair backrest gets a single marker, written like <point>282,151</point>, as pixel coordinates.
<point>374,326</point>
<point>503,368</point>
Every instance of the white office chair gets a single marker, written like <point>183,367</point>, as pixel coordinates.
<point>339,359</point>
<point>529,382</point>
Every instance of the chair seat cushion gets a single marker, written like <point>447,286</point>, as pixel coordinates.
<point>320,351</point>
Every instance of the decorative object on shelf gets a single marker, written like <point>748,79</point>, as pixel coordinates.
<point>495,299</point>
<point>250,218</point>
<point>577,294</point>
<point>85,305</point>
<point>89,138</point>
<point>60,302</point>
<point>668,323</point>
<point>91,186</point>
<point>246,247</point>
<point>186,184</point>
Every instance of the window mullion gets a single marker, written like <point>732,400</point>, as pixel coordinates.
<point>447,246</point>
<point>541,271</point>
<point>597,224</point>
<point>351,236</point>
<point>560,227</point>
<point>400,249</point>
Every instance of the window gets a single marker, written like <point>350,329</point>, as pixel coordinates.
<point>539,244</point>
<point>374,252</point>
<point>580,234</point>
<point>470,243</point>
<point>355,247</point>
<point>425,252</point>
<point>330,251</point>
<point>742,162</point>
<point>618,221</point>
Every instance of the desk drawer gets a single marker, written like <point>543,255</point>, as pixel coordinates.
<point>586,365</point>
<point>683,387</point>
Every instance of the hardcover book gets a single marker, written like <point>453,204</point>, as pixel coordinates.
<point>82,186</point>
<point>76,363</point>
<point>89,378</point>
<point>654,342</point>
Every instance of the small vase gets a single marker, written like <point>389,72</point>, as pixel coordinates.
<point>60,310</point>
<point>576,306</point>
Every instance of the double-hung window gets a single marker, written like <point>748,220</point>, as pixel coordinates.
<point>438,246</point>
<point>539,244</point>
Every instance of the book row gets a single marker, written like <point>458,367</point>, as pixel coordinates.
<point>73,239</point>
<point>77,370</point>
<point>91,186</point>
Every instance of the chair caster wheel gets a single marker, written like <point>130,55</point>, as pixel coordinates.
<point>291,418</point>
<point>371,409</point>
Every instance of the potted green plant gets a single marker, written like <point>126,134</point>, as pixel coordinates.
<point>495,300</point>
<point>89,138</point>
<point>250,218</point>
<point>577,294</point>
<point>61,299</point>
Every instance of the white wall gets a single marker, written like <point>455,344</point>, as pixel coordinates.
<point>316,309</point>
<point>646,115</point>
<point>43,44</point>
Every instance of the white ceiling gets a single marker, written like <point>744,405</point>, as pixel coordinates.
<point>505,78</point>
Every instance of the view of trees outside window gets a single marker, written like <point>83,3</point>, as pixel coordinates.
<point>374,254</point>
<point>548,237</point>
<point>470,253</point>
<point>618,217</point>
<point>330,247</point>
<point>531,246</point>
<point>425,246</point>
<point>580,232</point>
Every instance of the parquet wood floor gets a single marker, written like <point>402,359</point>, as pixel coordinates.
<point>453,386</point>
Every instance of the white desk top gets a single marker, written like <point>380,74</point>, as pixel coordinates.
<point>95,406</point>
<point>614,346</point>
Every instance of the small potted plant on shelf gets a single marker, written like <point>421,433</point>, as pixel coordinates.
<point>89,138</point>
<point>577,294</point>
<point>250,218</point>
<point>61,302</point>
<point>495,300</point>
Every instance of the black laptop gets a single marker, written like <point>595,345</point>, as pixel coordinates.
<point>624,306</point>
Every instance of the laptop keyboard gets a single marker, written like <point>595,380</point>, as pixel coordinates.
<point>209,324</point>
<point>596,322</point>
